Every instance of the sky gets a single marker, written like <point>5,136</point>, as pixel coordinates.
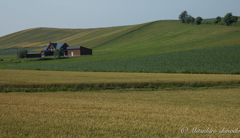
<point>17,15</point>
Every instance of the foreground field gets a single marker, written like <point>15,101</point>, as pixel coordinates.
<point>43,79</point>
<point>121,113</point>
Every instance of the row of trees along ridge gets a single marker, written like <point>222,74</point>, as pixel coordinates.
<point>227,20</point>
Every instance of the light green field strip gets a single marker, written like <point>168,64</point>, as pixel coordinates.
<point>119,113</point>
<point>65,77</point>
<point>78,35</point>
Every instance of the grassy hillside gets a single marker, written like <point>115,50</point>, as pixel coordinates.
<point>144,39</point>
<point>164,41</point>
<point>172,36</point>
<point>39,37</point>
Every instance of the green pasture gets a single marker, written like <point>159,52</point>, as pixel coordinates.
<point>220,60</point>
<point>10,57</point>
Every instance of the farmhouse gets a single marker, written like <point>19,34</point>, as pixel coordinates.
<point>68,51</point>
<point>52,47</point>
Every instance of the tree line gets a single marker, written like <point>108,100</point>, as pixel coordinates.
<point>228,19</point>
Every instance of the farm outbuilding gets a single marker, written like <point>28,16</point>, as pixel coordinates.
<point>78,51</point>
<point>33,55</point>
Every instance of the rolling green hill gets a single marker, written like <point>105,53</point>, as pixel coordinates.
<point>40,37</point>
<point>171,36</point>
<point>144,39</point>
<point>127,42</point>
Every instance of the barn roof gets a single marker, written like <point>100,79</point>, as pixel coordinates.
<point>55,45</point>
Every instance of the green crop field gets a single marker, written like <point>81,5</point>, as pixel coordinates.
<point>121,113</point>
<point>221,60</point>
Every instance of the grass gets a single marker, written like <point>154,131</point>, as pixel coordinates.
<point>119,113</point>
<point>171,36</point>
<point>219,60</point>
<point>10,57</point>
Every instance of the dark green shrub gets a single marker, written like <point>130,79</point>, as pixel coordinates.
<point>217,20</point>
<point>221,23</point>
<point>58,53</point>
<point>235,24</point>
<point>22,53</point>
<point>190,19</point>
<point>199,20</point>
<point>236,72</point>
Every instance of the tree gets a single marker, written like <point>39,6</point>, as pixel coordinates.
<point>58,53</point>
<point>234,19</point>
<point>229,19</point>
<point>199,20</point>
<point>217,20</point>
<point>190,19</point>
<point>183,16</point>
<point>22,53</point>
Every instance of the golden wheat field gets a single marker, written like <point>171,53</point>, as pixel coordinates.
<point>121,113</point>
<point>67,77</point>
